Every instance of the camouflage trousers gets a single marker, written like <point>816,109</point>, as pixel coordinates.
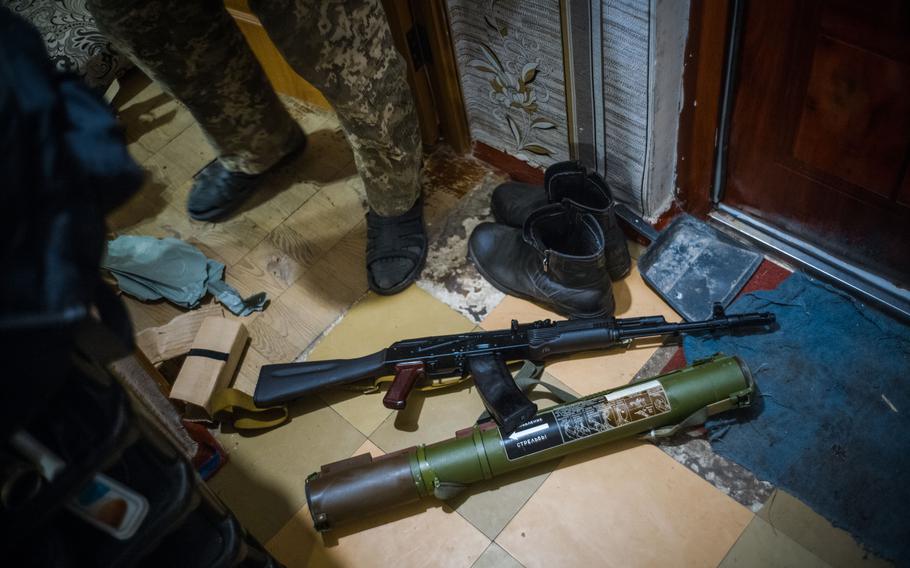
<point>344,48</point>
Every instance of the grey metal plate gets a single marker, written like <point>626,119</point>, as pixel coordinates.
<point>692,266</point>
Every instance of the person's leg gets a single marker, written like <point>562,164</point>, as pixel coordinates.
<point>196,52</point>
<point>345,49</point>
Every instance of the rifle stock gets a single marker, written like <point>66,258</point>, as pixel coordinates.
<point>285,381</point>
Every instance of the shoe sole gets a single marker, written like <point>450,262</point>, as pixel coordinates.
<point>522,296</point>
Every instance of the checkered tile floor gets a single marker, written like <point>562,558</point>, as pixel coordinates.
<point>302,241</point>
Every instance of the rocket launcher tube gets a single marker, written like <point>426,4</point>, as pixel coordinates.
<point>360,486</point>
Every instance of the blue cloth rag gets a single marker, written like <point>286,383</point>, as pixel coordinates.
<point>832,425</point>
<point>151,269</point>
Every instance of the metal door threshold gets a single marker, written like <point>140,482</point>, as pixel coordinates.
<point>853,279</point>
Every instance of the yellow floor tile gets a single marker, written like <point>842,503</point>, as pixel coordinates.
<point>282,192</point>
<point>789,515</point>
<point>372,324</point>
<point>490,505</point>
<point>267,269</point>
<point>329,215</point>
<point>282,256</point>
<point>290,243</point>
<point>512,308</point>
<point>310,306</point>
<point>144,315</point>
<point>627,504</point>
<point>328,157</point>
<point>231,239</point>
<point>495,557</point>
<point>760,545</point>
<point>423,534</point>
<point>174,175</point>
<point>591,372</point>
<point>278,261</point>
<point>430,417</point>
<point>288,318</point>
<point>263,481</point>
<point>167,222</point>
<point>274,345</point>
<point>347,259</point>
<point>151,117</point>
<point>138,152</point>
<point>181,159</point>
<point>147,202</point>
<point>248,373</point>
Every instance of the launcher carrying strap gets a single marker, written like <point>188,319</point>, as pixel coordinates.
<point>237,408</point>
<point>739,399</point>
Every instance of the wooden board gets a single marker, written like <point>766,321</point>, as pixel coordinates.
<point>284,79</point>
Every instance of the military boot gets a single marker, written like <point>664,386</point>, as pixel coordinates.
<point>568,182</point>
<point>556,260</point>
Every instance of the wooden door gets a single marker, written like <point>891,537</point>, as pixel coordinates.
<point>820,132</point>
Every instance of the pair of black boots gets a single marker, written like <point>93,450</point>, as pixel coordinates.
<point>558,245</point>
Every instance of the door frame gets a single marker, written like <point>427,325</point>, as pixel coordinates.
<point>420,30</point>
<point>715,29</point>
<point>699,120</point>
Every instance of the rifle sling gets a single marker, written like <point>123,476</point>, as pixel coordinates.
<point>237,408</point>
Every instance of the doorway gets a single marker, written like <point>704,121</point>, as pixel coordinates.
<point>814,160</point>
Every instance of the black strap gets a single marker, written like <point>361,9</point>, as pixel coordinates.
<point>208,353</point>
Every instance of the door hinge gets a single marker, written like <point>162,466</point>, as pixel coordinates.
<point>419,46</point>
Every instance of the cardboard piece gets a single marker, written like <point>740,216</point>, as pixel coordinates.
<point>210,364</point>
<point>175,337</point>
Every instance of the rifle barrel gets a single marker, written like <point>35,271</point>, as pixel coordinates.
<point>727,322</point>
<point>588,336</point>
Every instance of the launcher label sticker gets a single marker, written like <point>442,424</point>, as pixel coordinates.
<point>535,435</point>
<point>586,418</point>
<point>636,403</point>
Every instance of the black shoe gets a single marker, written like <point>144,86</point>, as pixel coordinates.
<point>568,182</point>
<point>556,260</point>
<point>218,192</point>
<point>396,249</point>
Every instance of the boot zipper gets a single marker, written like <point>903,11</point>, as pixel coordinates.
<point>546,261</point>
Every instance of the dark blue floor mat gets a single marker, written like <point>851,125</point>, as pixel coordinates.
<point>832,423</point>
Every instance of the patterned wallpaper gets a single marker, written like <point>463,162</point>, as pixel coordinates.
<point>512,70</point>
<point>509,55</point>
<point>625,72</point>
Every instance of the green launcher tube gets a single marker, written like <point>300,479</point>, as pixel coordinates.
<point>360,486</point>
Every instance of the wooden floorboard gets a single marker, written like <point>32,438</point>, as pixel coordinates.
<point>301,238</point>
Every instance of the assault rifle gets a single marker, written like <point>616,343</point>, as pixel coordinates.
<point>483,355</point>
